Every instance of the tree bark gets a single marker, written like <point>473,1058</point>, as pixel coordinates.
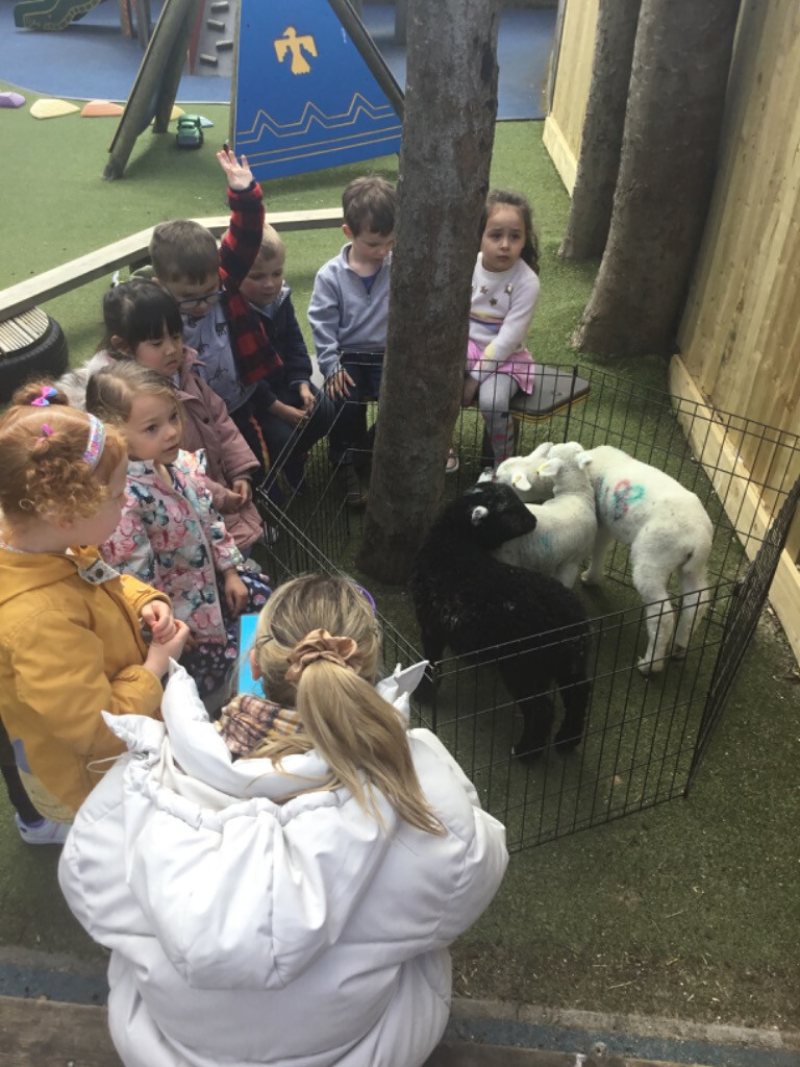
<point>601,138</point>
<point>448,134</point>
<point>675,106</point>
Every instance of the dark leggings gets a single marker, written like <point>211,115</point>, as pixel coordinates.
<point>16,790</point>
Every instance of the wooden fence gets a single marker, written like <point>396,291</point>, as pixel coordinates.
<point>739,338</point>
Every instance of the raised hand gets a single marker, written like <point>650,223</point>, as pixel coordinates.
<point>238,173</point>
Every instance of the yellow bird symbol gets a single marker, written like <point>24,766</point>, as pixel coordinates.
<point>290,42</point>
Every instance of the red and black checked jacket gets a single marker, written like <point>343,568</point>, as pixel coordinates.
<point>252,349</point>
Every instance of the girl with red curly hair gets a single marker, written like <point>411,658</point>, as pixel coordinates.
<point>72,645</point>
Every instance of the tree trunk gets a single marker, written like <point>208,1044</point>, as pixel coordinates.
<point>675,105</point>
<point>601,139</point>
<point>448,134</point>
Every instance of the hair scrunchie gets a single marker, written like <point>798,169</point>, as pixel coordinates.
<point>318,644</point>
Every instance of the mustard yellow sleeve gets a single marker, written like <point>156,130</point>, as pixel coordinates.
<point>60,681</point>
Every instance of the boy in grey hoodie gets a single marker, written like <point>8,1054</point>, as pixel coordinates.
<point>348,314</point>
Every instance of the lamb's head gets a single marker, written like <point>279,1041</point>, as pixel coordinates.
<point>491,514</point>
<point>567,461</point>
<point>521,473</point>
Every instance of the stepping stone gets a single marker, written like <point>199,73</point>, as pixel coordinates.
<point>48,108</point>
<point>11,99</point>
<point>100,109</point>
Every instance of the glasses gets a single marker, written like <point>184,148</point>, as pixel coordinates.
<point>196,301</point>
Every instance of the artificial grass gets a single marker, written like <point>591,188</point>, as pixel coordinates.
<point>689,909</point>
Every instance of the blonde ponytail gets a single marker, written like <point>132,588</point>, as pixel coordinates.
<point>360,735</point>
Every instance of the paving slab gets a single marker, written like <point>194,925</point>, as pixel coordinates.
<point>45,1033</point>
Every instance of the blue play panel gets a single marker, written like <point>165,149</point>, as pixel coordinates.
<point>91,60</point>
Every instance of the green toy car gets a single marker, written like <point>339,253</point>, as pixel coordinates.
<point>190,132</point>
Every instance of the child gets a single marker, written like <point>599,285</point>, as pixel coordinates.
<point>234,350</point>
<point>348,313</point>
<point>333,868</point>
<point>71,644</point>
<point>170,534</point>
<point>288,396</point>
<point>505,288</point>
<point>143,323</point>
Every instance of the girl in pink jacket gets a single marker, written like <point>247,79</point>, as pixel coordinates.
<point>143,323</point>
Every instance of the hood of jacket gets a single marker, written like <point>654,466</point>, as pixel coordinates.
<point>21,572</point>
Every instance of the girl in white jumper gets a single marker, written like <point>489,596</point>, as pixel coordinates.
<point>505,289</point>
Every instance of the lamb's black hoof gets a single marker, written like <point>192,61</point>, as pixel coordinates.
<point>568,742</point>
<point>527,752</point>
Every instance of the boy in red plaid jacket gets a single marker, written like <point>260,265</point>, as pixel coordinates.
<point>232,345</point>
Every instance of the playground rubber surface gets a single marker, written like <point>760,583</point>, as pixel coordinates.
<point>91,60</point>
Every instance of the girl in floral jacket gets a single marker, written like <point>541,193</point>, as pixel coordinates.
<point>170,535</point>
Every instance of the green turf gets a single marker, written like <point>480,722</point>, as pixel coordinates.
<point>689,909</point>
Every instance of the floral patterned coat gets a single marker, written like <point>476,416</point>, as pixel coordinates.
<point>171,537</point>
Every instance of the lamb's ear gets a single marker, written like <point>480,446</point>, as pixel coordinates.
<point>479,514</point>
<point>520,481</point>
<point>583,460</point>
<point>486,475</point>
<point>541,450</point>
<point>551,468</point>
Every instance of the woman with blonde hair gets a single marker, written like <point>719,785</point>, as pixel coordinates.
<point>294,906</point>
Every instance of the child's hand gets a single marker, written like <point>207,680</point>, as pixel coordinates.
<point>235,593</point>
<point>158,616</point>
<point>306,396</point>
<point>339,384</point>
<point>238,174</point>
<point>159,655</point>
<point>287,413</point>
<point>243,489</point>
<point>231,503</point>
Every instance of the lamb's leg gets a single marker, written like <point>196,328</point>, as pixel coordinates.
<point>567,573</point>
<point>597,568</point>
<point>433,645</point>
<point>650,583</point>
<point>695,597</point>
<point>519,675</point>
<point>576,700</point>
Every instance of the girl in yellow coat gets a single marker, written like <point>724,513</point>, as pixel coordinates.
<point>72,644</point>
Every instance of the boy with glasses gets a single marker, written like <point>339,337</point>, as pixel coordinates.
<point>233,348</point>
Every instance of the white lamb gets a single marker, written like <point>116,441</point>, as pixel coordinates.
<point>667,529</point>
<point>522,474</point>
<point>566,525</point>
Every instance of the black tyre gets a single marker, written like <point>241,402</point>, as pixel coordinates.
<point>45,354</point>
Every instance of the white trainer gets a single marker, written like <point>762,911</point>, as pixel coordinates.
<point>45,832</point>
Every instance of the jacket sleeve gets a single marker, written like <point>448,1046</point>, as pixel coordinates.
<point>292,347</point>
<point>324,319</point>
<point>513,334</point>
<point>236,456</point>
<point>484,857</point>
<point>223,547</point>
<point>128,550</point>
<point>242,240</point>
<point>70,710</point>
<point>139,593</point>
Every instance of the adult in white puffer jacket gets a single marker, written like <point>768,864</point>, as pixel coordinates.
<point>249,929</point>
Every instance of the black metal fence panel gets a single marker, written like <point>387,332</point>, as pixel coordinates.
<point>644,737</point>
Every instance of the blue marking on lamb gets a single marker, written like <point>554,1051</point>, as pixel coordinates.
<point>467,600</point>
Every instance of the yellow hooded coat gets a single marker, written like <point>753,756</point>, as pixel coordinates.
<point>70,647</point>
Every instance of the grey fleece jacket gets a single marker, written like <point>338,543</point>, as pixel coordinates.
<point>342,314</point>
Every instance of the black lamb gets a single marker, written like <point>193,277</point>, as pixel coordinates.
<point>472,602</point>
